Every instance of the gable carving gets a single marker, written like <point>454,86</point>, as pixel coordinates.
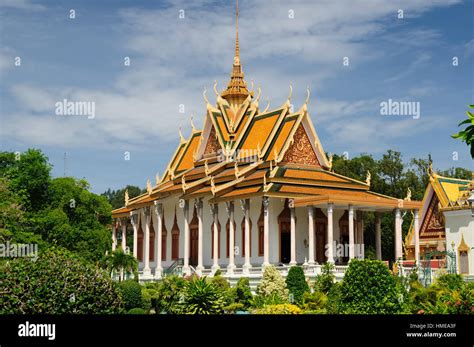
<point>212,145</point>
<point>301,151</point>
<point>434,220</point>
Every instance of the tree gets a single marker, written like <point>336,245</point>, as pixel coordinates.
<point>467,135</point>
<point>75,219</point>
<point>29,174</point>
<point>117,197</point>
<point>122,262</point>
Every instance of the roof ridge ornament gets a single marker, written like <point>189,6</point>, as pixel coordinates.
<point>127,198</point>
<point>148,187</point>
<point>408,197</point>
<point>331,157</point>
<point>206,168</point>
<point>304,107</point>
<point>181,137</point>
<point>157,178</point>
<point>267,107</point>
<point>236,170</point>
<point>215,89</point>
<point>368,178</point>
<point>184,186</point>
<point>213,186</point>
<point>192,123</point>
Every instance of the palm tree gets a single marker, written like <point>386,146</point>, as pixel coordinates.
<point>120,261</point>
<point>467,135</point>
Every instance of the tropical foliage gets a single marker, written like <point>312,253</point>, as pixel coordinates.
<point>57,282</point>
<point>467,135</point>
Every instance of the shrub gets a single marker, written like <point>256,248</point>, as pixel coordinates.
<point>368,287</point>
<point>450,281</point>
<point>146,300</point>
<point>58,282</point>
<point>234,307</point>
<point>334,297</point>
<point>324,282</point>
<point>223,285</point>
<point>137,310</point>
<point>131,294</point>
<point>278,309</point>
<point>296,284</point>
<point>171,295</point>
<point>315,302</point>
<point>273,284</point>
<point>203,297</point>
<point>241,292</point>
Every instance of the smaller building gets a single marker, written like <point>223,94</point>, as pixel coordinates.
<point>459,226</point>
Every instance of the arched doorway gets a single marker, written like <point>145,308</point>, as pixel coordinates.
<point>284,226</point>
<point>194,239</point>
<point>321,223</point>
<point>175,239</point>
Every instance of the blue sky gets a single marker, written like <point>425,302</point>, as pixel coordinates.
<point>174,59</point>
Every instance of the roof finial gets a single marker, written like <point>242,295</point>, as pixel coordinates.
<point>237,50</point>
<point>181,137</point>
<point>192,123</point>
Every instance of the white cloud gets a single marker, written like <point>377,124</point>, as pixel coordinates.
<point>173,59</point>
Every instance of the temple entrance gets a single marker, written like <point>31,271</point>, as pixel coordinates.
<point>140,240</point>
<point>320,235</point>
<point>285,243</point>
<point>284,222</point>
<point>194,241</point>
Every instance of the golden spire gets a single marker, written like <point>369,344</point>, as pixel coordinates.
<point>236,91</point>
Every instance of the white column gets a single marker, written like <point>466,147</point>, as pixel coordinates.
<point>123,223</point>
<point>146,268</point>
<point>158,240</point>
<point>114,235</point>
<point>292,233</point>
<point>230,211</point>
<point>310,235</point>
<point>246,207</point>
<point>378,236</point>
<point>330,236</point>
<point>215,258</point>
<point>186,268</point>
<point>351,232</point>
<point>266,236</point>
<point>200,266</point>
<point>134,221</point>
<point>398,234</point>
<point>416,226</point>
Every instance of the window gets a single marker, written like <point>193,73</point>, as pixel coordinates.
<point>175,239</point>
<point>164,237</point>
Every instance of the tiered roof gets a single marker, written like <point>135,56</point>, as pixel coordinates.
<point>243,151</point>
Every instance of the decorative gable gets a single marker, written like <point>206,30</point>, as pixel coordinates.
<point>301,151</point>
<point>212,145</point>
<point>433,221</point>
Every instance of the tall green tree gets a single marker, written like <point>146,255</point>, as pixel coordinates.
<point>29,174</point>
<point>117,197</point>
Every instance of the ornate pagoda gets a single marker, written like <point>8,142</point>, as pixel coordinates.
<point>253,187</point>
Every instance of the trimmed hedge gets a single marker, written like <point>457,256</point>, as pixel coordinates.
<point>369,287</point>
<point>296,284</point>
<point>131,294</point>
